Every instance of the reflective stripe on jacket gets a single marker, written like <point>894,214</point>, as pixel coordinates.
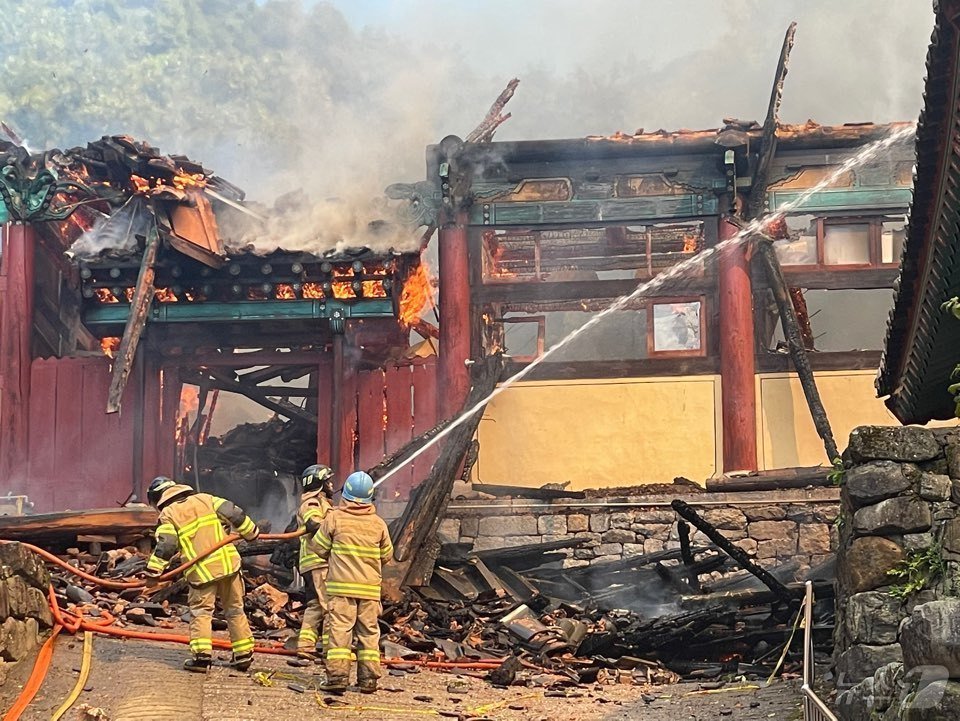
<point>313,507</point>
<point>195,524</point>
<point>357,543</point>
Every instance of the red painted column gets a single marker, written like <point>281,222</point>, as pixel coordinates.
<point>739,403</point>
<point>453,376</point>
<point>16,324</point>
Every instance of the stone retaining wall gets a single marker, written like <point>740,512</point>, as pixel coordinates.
<point>774,527</point>
<point>24,610</point>
<point>899,501</point>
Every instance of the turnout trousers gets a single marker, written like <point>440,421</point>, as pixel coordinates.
<point>202,601</point>
<point>314,626</point>
<point>349,617</point>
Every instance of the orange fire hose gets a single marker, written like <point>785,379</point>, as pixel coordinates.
<point>37,676</point>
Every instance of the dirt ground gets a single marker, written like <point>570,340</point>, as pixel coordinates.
<point>136,680</point>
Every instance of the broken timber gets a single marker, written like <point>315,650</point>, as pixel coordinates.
<point>735,552</point>
<point>773,480</point>
<point>136,320</point>
<point>771,264</point>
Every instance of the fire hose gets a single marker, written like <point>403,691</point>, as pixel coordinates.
<point>73,621</point>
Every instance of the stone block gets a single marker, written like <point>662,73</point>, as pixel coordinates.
<point>875,481</point>
<point>518,525</point>
<point>618,535</point>
<point>622,519</point>
<point>725,518</point>
<point>632,549</point>
<point>903,514</point>
<point>15,560</point>
<point>917,541</point>
<point>944,511</point>
<point>733,535</point>
<point>892,443</point>
<point>861,661</point>
<point>449,530</point>
<point>18,638</point>
<point>747,544</point>
<point>604,559</point>
<point>469,527</point>
<point>583,554</point>
<point>650,545</point>
<point>600,522</point>
<point>764,513</point>
<point>578,522</point>
<point>777,548</point>
<point>865,564</point>
<point>814,539</point>
<point>873,618</point>
<point>952,452</point>
<point>654,515</point>
<point>935,487</point>
<point>931,636</point>
<point>552,524</point>
<point>652,530</point>
<point>937,701</point>
<point>772,530</point>
<point>609,549</point>
<point>575,562</point>
<point>485,543</point>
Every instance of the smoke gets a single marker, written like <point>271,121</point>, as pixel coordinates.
<point>339,100</point>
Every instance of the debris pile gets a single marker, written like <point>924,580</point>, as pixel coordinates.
<point>516,615</point>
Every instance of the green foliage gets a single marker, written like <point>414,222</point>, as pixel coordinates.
<point>836,475</point>
<point>840,521</point>
<point>920,570</point>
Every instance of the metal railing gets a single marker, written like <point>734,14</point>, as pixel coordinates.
<point>814,709</point>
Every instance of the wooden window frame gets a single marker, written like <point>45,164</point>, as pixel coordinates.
<point>874,225</point>
<point>652,352</point>
<point>541,321</point>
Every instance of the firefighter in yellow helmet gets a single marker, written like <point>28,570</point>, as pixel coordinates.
<point>317,484</point>
<point>357,543</point>
<point>193,523</point>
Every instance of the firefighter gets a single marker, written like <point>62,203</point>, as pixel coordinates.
<point>357,543</point>
<point>317,485</point>
<point>193,523</point>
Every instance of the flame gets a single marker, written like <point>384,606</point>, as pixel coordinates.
<point>690,243</point>
<point>104,295</point>
<point>312,290</point>
<point>189,400</point>
<point>182,181</point>
<point>140,185</point>
<point>342,288</point>
<point>165,295</point>
<point>373,289</point>
<point>285,292</point>
<point>110,346</point>
<point>128,294</point>
<point>417,291</point>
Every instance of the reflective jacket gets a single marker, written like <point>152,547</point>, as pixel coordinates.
<point>357,543</point>
<point>193,525</point>
<point>313,507</point>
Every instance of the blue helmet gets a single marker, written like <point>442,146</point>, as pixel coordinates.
<point>358,488</point>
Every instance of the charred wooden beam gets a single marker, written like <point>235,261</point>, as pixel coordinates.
<point>494,118</point>
<point>254,393</point>
<point>739,556</point>
<point>285,373</point>
<point>768,137</point>
<point>794,335</point>
<point>136,320</point>
<point>773,480</point>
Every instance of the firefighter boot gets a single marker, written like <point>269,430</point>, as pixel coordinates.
<point>335,685</point>
<point>198,663</point>
<point>367,685</point>
<point>242,661</point>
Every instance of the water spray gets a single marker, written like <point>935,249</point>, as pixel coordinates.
<point>865,155</point>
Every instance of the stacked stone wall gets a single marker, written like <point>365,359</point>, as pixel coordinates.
<point>24,610</point>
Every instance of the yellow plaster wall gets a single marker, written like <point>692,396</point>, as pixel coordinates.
<point>785,432</point>
<point>600,433</point>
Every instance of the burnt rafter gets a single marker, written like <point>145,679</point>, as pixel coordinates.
<point>263,396</point>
